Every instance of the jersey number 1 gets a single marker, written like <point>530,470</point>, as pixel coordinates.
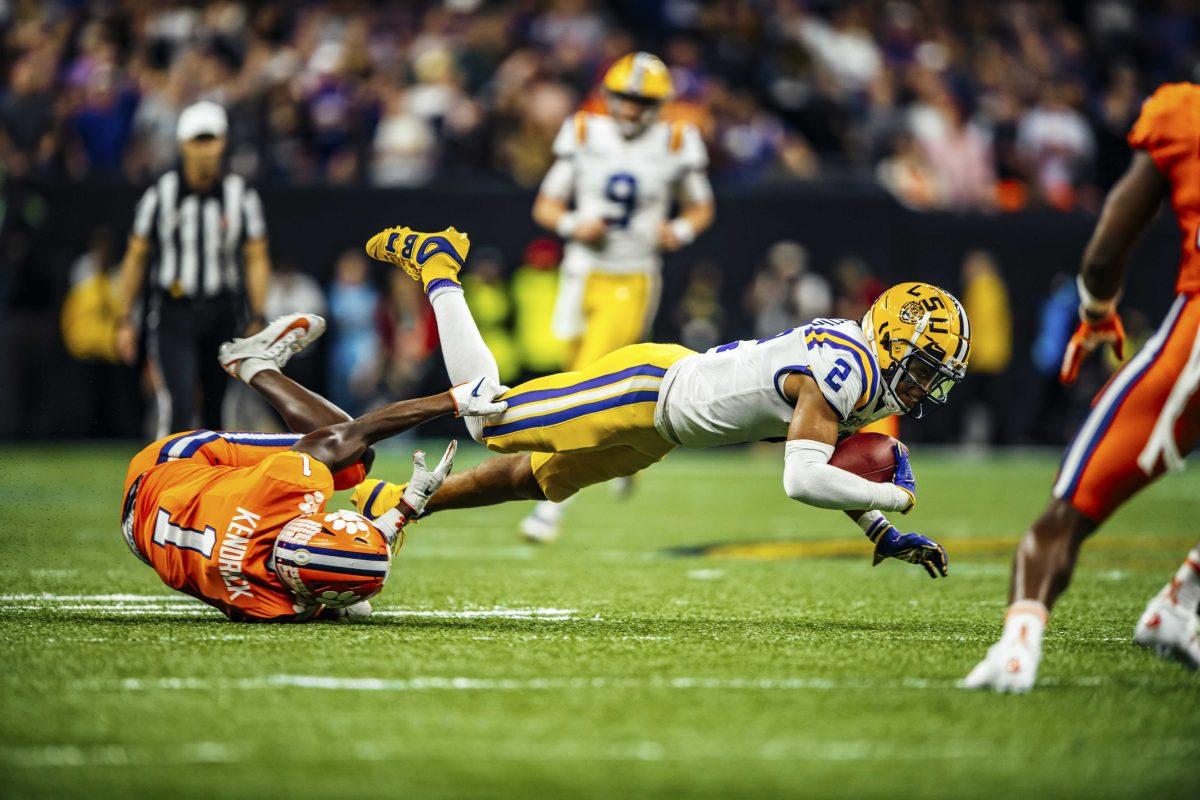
<point>168,533</point>
<point>622,190</point>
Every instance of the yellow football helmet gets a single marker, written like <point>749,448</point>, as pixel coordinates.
<point>922,340</point>
<point>636,85</point>
<point>641,76</point>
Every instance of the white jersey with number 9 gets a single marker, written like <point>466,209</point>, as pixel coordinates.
<point>629,183</point>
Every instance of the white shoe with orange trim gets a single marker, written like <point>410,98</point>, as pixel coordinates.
<point>1169,628</point>
<point>271,347</point>
<point>1011,664</point>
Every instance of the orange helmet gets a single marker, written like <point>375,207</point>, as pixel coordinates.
<point>335,558</point>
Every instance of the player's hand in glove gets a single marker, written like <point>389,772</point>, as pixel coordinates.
<point>424,481</point>
<point>903,477</point>
<point>913,548</point>
<point>1091,333</point>
<point>478,398</point>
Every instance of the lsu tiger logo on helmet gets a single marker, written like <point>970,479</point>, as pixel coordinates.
<point>334,558</point>
<point>922,340</point>
<point>637,84</point>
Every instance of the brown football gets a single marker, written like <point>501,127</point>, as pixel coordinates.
<point>869,455</point>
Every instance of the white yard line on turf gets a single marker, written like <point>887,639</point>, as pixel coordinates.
<point>135,605</point>
<point>816,750</point>
<point>463,683</point>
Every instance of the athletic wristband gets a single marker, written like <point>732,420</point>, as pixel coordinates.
<point>685,232</point>
<point>389,523</point>
<point>873,524</point>
<point>567,224</point>
<point>1093,308</point>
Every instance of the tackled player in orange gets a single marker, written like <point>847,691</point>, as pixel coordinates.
<point>1142,422</point>
<point>238,520</point>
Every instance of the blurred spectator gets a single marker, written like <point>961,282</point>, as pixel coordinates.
<point>408,332</point>
<point>354,350</point>
<point>89,317</point>
<point>91,310</point>
<point>785,293</point>
<point>534,290</point>
<point>909,177</point>
<point>985,299</point>
<point>1056,142</point>
<point>857,288</point>
<point>403,94</point>
<point>487,297</point>
<point>1057,319</point>
<point>700,316</point>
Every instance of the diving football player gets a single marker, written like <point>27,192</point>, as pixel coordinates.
<point>609,194</point>
<point>630,408</point>
<point>238,520</point>
<point>1143,421</point>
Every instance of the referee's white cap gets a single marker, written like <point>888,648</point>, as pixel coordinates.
<point>205,118</point>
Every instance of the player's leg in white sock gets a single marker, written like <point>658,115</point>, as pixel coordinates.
<point>466,355</point>
<point>543,524</point>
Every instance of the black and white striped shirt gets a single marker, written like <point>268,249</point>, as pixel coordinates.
<point>198,235</point>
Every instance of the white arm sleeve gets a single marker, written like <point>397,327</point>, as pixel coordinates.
<point>560,180</point>
<point>810,478</point>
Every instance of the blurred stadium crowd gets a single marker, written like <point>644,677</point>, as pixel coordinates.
<point>1004,104</point>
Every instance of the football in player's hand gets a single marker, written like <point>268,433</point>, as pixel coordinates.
<point>868,455</point>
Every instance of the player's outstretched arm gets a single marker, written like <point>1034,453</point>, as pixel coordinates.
<point>1127,211</point>
<point>338,446</point>
<point>810,478</point>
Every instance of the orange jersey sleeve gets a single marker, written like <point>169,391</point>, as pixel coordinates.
<point>230,449</point>
<point>209,530</point>
<point>1168,129</point>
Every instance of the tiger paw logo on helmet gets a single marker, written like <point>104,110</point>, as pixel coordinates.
<point>312,502</point>
<point>336,559</point>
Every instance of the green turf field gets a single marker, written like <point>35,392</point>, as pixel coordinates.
<point>606,666</point>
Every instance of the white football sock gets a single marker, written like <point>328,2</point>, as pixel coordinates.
<point>1026,621</point>
<point>466,355</point>
<point>1187,580</point>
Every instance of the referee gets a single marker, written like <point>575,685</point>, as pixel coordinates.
<point>198,226</point>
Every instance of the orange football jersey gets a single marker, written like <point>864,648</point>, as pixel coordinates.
<point>1169,130</point>
<point>208,507</point>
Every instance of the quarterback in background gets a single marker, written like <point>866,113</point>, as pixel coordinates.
<point>609,194</point>
<point>238,520</point>
<point>809,386</point>
<point>1145,419</point>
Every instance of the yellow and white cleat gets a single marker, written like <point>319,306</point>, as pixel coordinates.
<point>427,257</point>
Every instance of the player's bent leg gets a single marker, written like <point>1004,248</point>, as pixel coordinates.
<point>1042,569</point>
<point>1046,556</point>
<point>497,480</point>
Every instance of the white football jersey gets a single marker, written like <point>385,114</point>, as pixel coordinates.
<point>734,393</point>
<point>630,183</point>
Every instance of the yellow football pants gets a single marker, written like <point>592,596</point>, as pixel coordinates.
<point>590,425</point>
<point>617,311</point>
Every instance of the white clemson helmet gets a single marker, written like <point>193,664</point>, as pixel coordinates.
<point>334,558</point>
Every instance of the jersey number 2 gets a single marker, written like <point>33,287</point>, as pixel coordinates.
<point>622,190</point>
<point>837,375</point>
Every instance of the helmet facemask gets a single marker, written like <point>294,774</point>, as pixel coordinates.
<point>919,374</point>
<point>618,102</point>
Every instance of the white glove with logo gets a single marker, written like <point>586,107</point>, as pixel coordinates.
<point>478,398</point>
<point>424,481</point>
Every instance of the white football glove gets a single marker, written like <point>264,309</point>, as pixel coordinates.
<point>424,481</point>
<point>478,398</point>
